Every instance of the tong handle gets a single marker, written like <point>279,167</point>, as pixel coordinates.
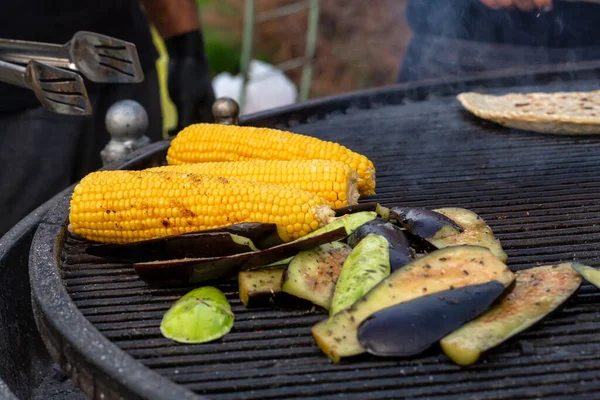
<point>21,52</point>
<point>13,74</point>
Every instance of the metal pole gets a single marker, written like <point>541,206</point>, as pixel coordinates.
<point>311,44</point>
<point>247,44</point>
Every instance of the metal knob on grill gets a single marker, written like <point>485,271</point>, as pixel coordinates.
<point>226,111</point>
<point>127,123</point>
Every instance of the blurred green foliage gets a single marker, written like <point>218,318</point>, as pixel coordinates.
<point>222,49</point>
<point>223,55</point>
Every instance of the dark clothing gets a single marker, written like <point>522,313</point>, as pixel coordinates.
<point>56,21</point>
<point>42,152</point>
<point>460,37</point>
<point>567,25</point>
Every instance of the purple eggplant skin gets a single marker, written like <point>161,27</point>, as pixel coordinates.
<point>194,270</point>
<point>188,245</point>
<point>398,245</point>
<point>263,235</point>
<point>383,212</point>
<point>418,244</point>
<point>421,221</point>
<point>410,328</point>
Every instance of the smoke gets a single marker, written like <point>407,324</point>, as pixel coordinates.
<point>461,37</point>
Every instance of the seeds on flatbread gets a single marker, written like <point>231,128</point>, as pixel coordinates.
<point>557,113</point>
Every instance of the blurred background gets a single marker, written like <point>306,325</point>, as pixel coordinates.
<point>357,44</point>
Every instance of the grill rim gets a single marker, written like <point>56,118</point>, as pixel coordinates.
<point>5,392</point>
<point>96,372</point>
<point>68,335</point>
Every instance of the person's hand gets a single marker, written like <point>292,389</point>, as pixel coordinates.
<point>190,84</point>
<point>523,5</point>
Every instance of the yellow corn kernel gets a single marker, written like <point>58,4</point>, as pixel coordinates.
<point>170,203</point>
<point>337,181</point>
<point>213,142</point>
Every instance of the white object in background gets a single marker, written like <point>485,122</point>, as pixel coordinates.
<point>267,88</point>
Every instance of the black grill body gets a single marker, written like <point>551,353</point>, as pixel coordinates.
<point>539,193</point>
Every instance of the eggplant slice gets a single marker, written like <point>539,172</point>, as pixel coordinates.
<point>444,269</point>
<point>188,245</point>
<point>349,221</point>
<point>382,211</point>
<point>263,235</point>
<point>260,287</point>
<point>366,266</point>
<point>400,252</point>
<point>475,232</point>
<point>423,222</point>
<point>312,274</point>
<point>590,274</point>
<point>537,292</point>
<point>193,270</point>
<point>412,327</point>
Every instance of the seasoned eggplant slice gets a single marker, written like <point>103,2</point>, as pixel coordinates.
<point>382,211</point>
<point>475,232</point>
<point>592,275</point>
<point>312,274</point>
<point>349,221</point>
<point>196,245</point>
<point>192,270</point>
<point>537,292</point>
<point>263,235</point>
<point>260,287</point>
<point>366,266</point>
<point>423,222</point>
<point>444,269</point>
<point>400,251</point>
<point>224,241</point>
<point>412,327</point>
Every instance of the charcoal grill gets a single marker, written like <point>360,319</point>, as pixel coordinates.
<point>538,192</point>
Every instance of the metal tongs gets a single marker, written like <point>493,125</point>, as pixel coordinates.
<point>59,91</point>
<point>98,57</point>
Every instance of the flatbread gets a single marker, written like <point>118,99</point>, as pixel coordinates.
<point>573,113</point>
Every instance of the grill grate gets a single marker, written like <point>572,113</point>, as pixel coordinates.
<point>539,194</point>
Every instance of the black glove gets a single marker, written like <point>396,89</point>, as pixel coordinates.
<point>190,86</point>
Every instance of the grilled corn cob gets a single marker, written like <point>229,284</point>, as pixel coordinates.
<point>213,142</point>
<point>332,180</point>
<point>127,206</point>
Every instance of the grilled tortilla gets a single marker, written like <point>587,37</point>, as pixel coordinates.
<point>573,113</point>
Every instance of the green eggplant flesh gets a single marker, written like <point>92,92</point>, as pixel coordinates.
<point>445,269</point>
<point>367,265</point>
<point>312,274</point>
<point>200,316</point>
<point>400,252</point>
<point>194,270</point>
<point>262,234</point>
<point>537,292</point>
<point>349,221</point>
<point>590,274</point>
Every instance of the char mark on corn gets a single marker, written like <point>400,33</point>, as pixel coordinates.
<point>213,142</point>
<point>332,180</point>
<point>127,206</point>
